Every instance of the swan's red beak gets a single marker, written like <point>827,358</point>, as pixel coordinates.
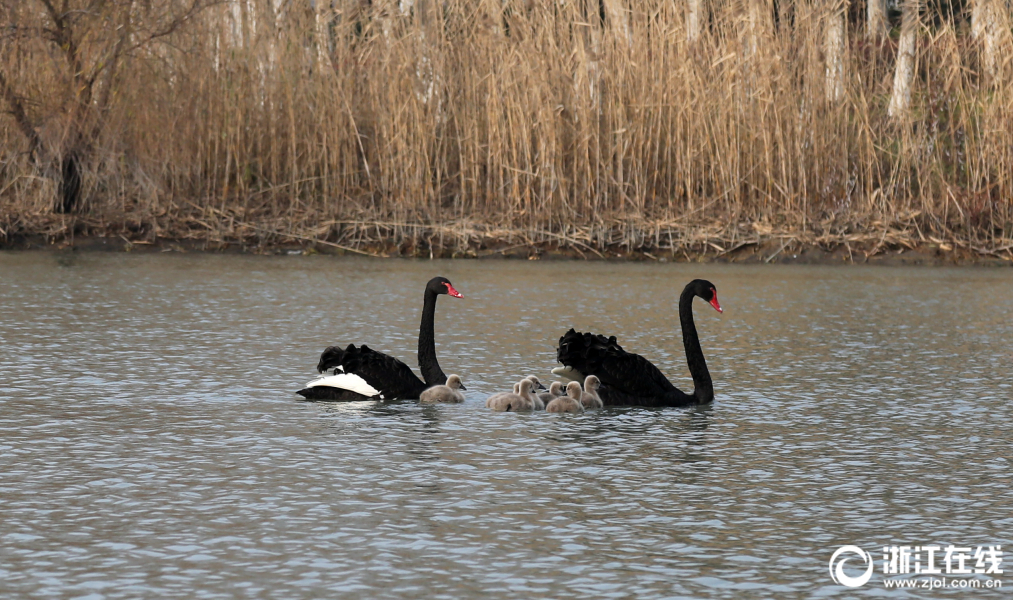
<point>715,303</point>
<point>452,291</point>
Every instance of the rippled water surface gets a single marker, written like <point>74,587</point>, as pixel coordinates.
<point>151,445</point>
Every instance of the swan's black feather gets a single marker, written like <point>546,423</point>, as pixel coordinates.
<point>622,372</point>
<point>634,375</point>
<point>614,397</point>
<point>390,376</point>
<point>330,358</point>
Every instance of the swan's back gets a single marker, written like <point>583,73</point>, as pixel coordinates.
<point>627,373</point>
<point>504,401</point>
<point>390,376</point>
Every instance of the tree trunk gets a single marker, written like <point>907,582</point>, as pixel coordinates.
<point>589,51</point>
<point>429,17</point>
<point>985,29</point>
<point>900,100</point>
<point>876,24</point>
<point>492,11</point>
<point>70,182</point>
<point>834,52</point>
<point>753,21</point>
<point>694,20</point>
<point>324,17</point>
<point>618,19</point>
<point>385,11</point>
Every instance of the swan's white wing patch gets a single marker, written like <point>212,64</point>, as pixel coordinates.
<point>345,381</point>
<point>569,374</point>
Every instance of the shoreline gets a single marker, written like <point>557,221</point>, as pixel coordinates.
<point>769,250</point>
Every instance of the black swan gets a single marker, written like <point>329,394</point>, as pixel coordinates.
<point>570,403</point>
<point>363,373</point>
<point>444,393</point>
<point>631,380</point>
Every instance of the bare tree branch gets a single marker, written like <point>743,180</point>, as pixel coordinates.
<point>175,24</point>
<point>110,72</point>
<point>17,110</point>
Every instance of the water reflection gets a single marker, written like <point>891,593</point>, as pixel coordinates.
<point>150,443</point>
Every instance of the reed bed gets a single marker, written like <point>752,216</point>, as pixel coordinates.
<point>468,123</point>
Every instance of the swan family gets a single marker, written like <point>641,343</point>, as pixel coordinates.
<point>596,370</point>
<point>363,373</point>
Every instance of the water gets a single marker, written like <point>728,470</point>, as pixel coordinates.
<point>151,445</point>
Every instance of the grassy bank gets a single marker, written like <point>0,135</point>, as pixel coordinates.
<point>472,125</point>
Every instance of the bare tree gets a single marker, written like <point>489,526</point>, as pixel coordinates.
<point>92,38</point>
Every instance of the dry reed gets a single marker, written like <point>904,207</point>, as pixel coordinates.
<point>527,121</point>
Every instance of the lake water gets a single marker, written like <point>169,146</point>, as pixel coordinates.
<point>151,445</point>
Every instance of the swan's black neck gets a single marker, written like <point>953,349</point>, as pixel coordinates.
<point>431,371</point>
<point>703,388</point>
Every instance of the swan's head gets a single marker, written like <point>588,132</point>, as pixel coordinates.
<point>535,384</point>
<point>592,383</point>
<point>556,389</point>
<point>524,387</point>
<point>454,383</point>
<point>573,390</point>
<point>707,291</point>
<point>442,285</point>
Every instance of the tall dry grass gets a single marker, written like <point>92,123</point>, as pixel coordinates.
<point>527,119</point>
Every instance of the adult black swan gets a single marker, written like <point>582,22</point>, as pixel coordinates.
<point>363,373</point>
<point>631,380</point>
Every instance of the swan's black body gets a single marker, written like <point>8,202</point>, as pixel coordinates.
<point>391,377</point>
<point>629,379</point>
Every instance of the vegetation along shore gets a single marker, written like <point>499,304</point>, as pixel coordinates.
<point>743,130</point>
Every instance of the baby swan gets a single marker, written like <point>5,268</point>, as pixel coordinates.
<point>536,385</point>
<point>536,402</point>
<point>589,398</point>
<point>570,403</point>
<point>444,393</point>
<point>504,401</point>
<point>555,391</point>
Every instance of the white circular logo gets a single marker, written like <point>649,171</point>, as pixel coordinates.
<point>837,572</point>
